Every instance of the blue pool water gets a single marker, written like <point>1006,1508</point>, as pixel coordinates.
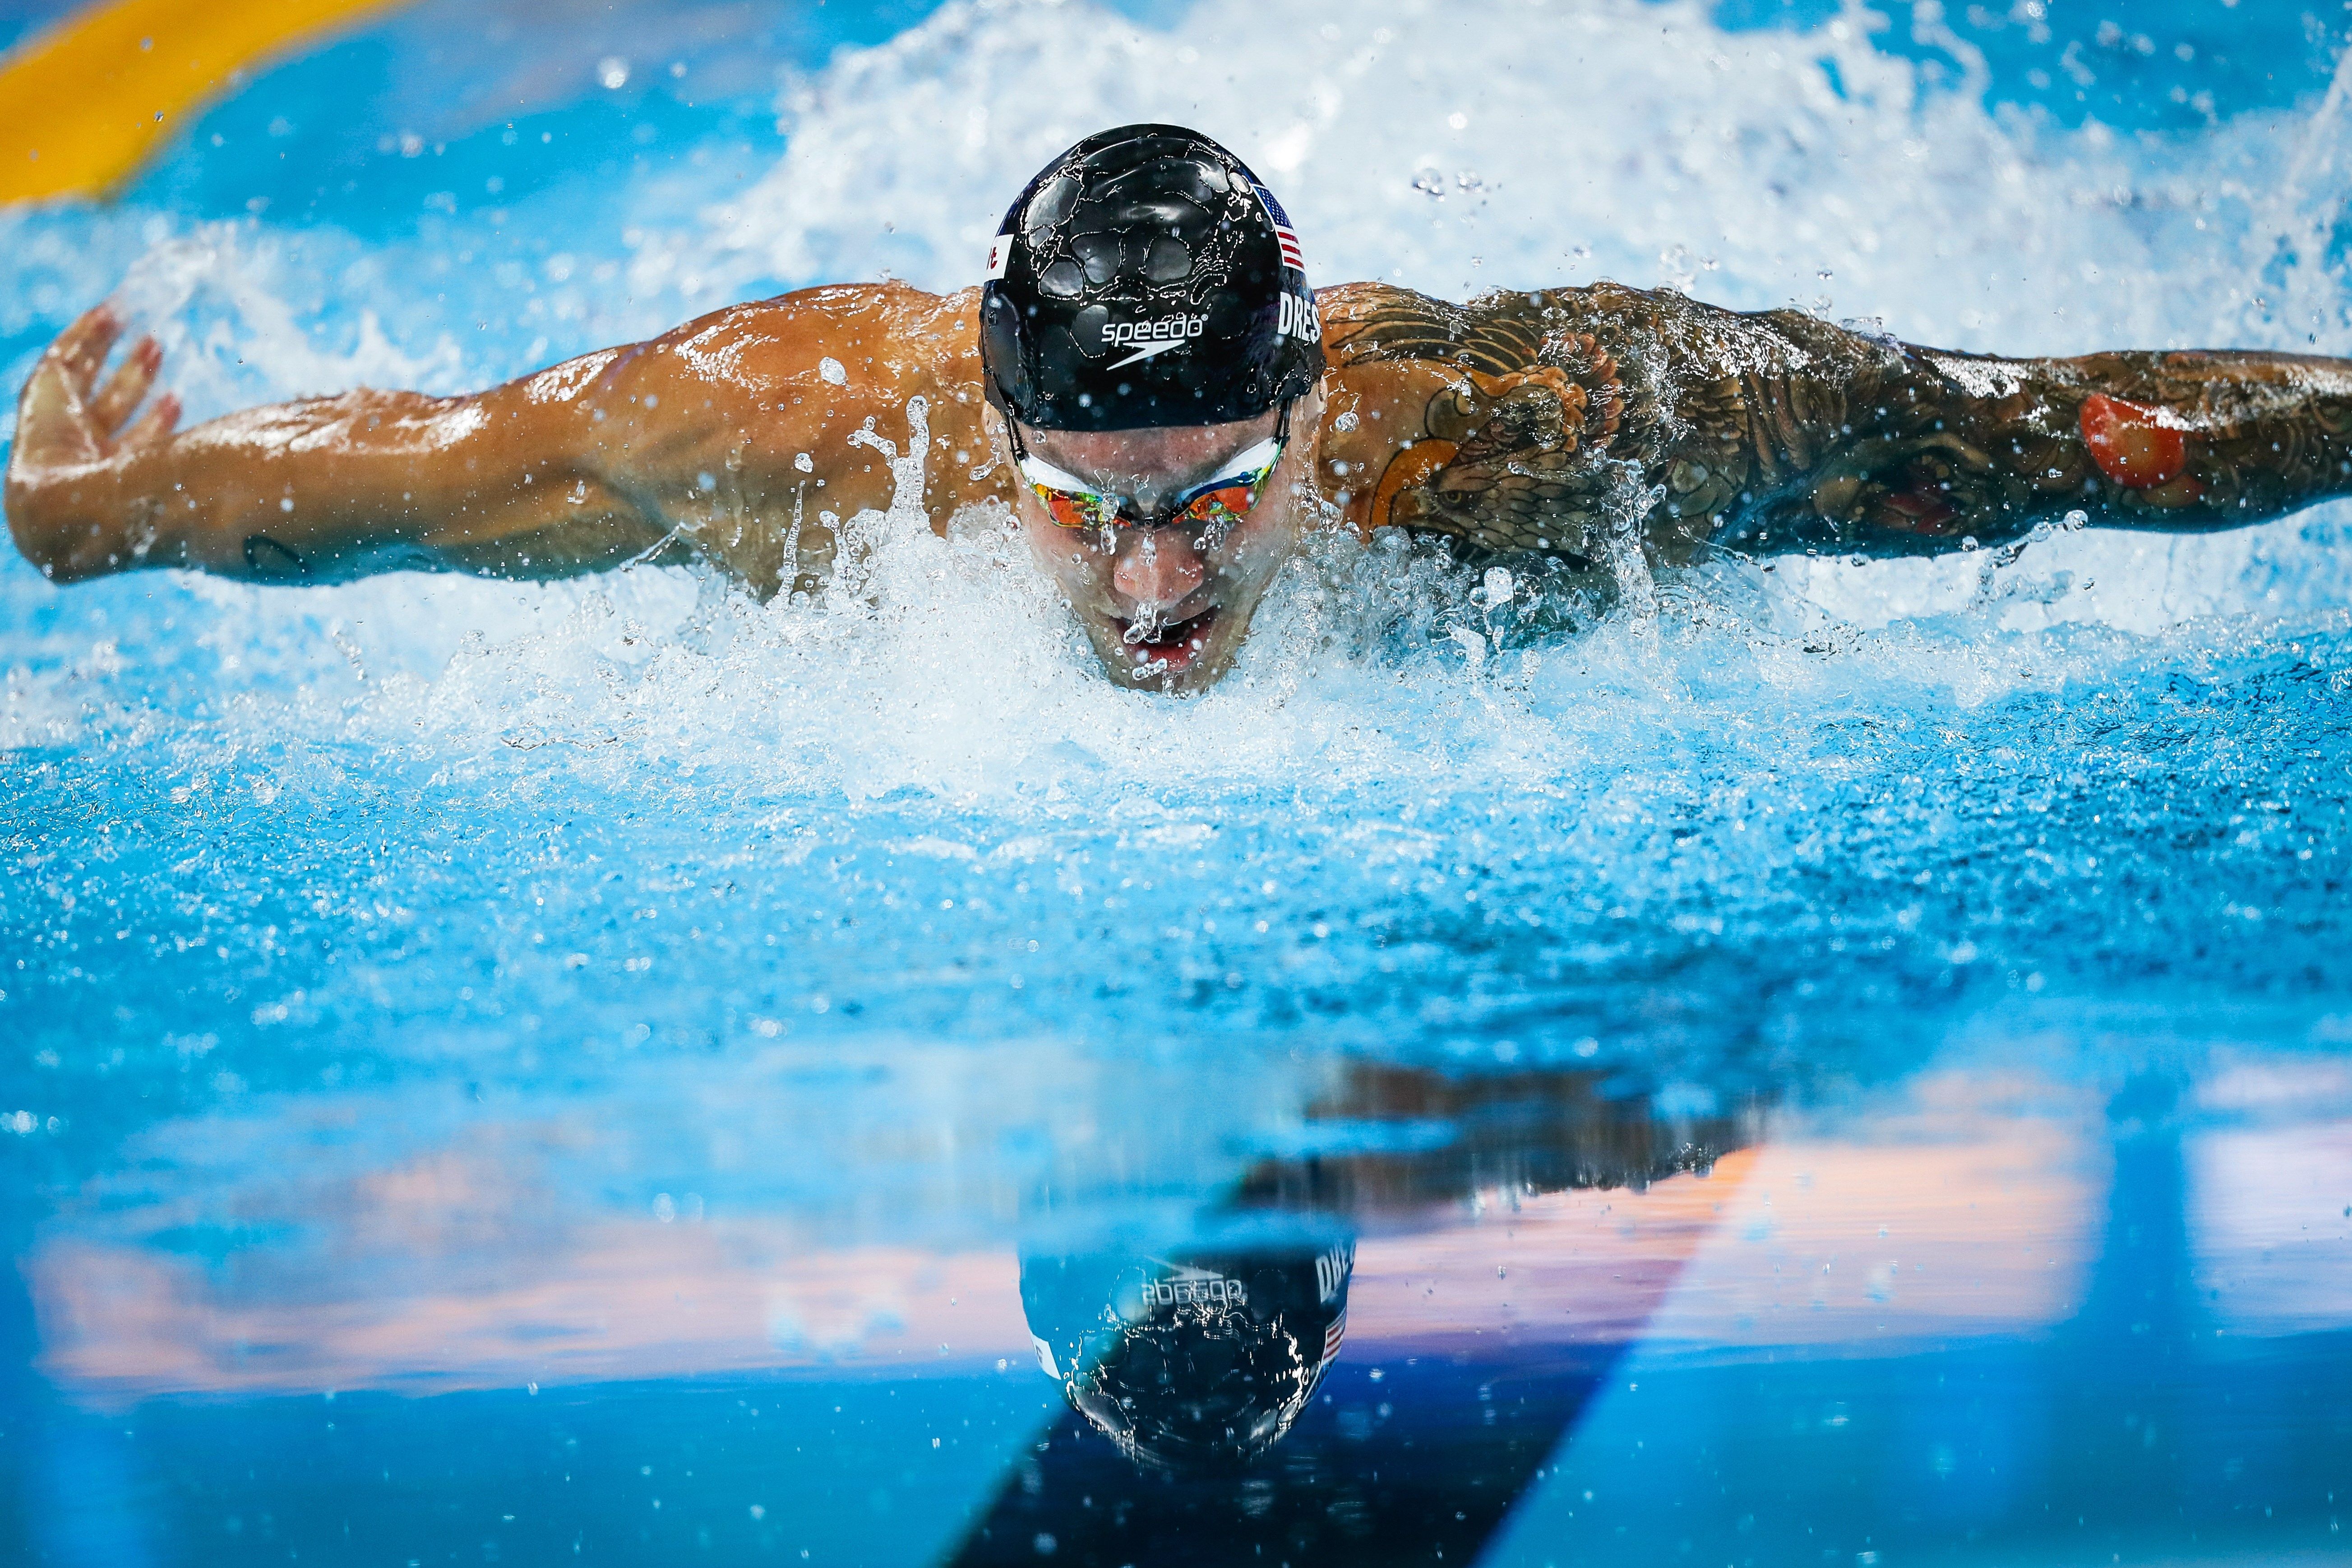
<point>1847,1067</point>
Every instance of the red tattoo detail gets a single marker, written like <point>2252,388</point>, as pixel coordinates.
<point>1920,511</point>
<point>2128,444</point>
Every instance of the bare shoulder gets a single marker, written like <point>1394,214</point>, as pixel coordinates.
<point>1505,328</point>
<point>1475,420</point>
<point>884,338</point>
<point>749,433</point>
<point>1367,321</point>
<point>831,348</point>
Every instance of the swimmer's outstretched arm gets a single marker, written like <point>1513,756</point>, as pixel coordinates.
<point>1544,421</point>
<point>1889,449</point>
<point>716,438</point>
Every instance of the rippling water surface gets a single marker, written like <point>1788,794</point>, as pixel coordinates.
<point>1845,1061</point>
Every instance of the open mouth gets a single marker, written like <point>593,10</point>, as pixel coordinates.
<point>1174,648</point>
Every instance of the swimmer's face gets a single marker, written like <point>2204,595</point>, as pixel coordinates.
<point>1167,607</point>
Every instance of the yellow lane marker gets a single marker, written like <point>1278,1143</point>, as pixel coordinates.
<point>82,105</point>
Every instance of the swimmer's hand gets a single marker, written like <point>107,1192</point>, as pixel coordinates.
<point>76,438</point>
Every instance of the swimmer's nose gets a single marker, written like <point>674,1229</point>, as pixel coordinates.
<point>1157,568</point>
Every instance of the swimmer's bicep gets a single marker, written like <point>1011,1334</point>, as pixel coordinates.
<point>732,438</point>
<point>572,469</point>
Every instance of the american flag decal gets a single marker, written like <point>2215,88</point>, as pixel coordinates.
<point>1284,235</point>
<point>1333,1335</point>
<point>1291,254</point>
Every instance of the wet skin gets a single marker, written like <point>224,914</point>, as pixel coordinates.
<point>1520,421</point>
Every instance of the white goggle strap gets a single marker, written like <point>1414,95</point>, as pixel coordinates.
<point>1038,471</point>
<point>1248,460</point>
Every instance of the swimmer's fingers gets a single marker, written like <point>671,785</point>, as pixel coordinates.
<point>53,422</point>
<point>112,403</point>
<point>82,347</point>
<point>160,420</point>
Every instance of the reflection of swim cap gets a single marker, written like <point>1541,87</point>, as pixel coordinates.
<point>1146,278</point>
<point>1202,1364</point>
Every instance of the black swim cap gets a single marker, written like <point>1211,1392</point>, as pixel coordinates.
<point>1196,1364</point>
<point>1146,278</point>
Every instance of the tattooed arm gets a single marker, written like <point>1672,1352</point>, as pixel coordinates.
<point>1540,421</point>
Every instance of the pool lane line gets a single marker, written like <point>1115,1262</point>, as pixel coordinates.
<point>83,104</point>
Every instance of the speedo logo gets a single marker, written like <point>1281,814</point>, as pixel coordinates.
<point>1154,337</point>
<point>1300,319</point>
<point>1194,1287</point>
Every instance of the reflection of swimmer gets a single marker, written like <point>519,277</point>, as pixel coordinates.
<point>1197,1364</point>
<point>1457,1383</point>
<point>1203,1357</point>
<point>1177,406</point>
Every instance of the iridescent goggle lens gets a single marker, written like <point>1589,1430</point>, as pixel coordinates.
<point>1221,498</point>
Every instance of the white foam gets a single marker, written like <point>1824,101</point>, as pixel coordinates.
<point>1613,137</point>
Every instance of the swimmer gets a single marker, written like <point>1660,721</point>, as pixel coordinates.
<point>1147,382</point>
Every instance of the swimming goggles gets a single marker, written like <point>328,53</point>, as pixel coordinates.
<point>1221,498</point>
